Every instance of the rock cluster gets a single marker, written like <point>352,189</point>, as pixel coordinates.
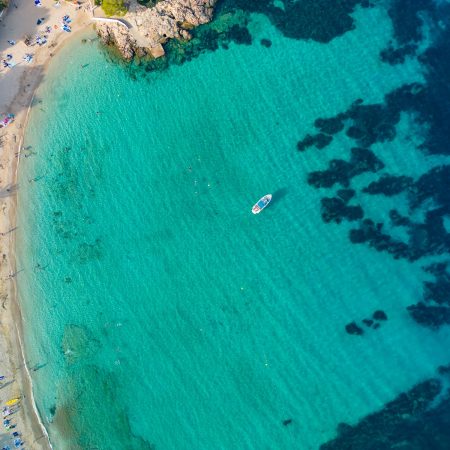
<point>143,29</point>
<point>374,323</point>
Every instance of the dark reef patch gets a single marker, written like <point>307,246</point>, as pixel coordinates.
<point>428,197</point>
<point>414,420</point>
<point>406,21</point>
<point>372,234</point>
<point>430,187</point>
<point>319,140</point>
<point>438,291</point>
<point>353,328</point>
<point>444,370</point>
<point>339,171</point>
<point>377,122</point>
<point>319,20</point>
<point>335,210</point>
<point>330,126</point>
<point>345,194</point>
<point>206,38</point>
<point>397,220</point>
<point>389,185</point>
<point>379,315</point>
<point>393,55</point>
<point>266,43</point>
<point>434,309</point>
<point>429,315</point>
<point>240,35</point>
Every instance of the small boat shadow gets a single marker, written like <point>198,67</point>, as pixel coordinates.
<point>279,194</point>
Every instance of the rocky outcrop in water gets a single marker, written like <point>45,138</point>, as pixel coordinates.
<point>143,30</point>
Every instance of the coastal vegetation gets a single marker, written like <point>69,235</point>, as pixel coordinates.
<point>113,7</point>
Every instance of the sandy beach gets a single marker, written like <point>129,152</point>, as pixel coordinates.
<point>17,86</point>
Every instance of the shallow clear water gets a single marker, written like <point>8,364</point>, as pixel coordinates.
<point>165,314</point>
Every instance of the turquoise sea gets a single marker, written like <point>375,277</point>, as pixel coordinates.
<point>159,312</point>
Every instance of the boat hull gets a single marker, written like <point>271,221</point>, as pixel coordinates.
<point>261,204</point>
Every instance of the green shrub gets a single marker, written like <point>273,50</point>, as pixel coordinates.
<point>114,7</point>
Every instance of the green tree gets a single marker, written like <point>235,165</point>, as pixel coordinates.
<point>114,7</point>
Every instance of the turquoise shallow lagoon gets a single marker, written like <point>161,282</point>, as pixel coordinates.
<point>159,312</point>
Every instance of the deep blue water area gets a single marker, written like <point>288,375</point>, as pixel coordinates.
<point>161,314</point>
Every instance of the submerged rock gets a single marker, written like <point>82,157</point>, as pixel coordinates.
<point>430,316</point>
<point>389,185</point>
<point>444,370</point>
<point>340,171</point>
<point>352,328</point>
<point>319,140</point>
<point>379,315</point>
<point>346,194</point>
<point>335,210</point>
<point>413,420</point>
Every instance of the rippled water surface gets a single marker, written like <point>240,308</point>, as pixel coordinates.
<point>161,314</point>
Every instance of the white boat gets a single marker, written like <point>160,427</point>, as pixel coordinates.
<point>261,204</point>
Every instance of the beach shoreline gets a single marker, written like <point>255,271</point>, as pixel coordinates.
<point>17,89</point>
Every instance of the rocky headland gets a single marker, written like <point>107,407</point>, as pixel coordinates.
<point>143,30</point>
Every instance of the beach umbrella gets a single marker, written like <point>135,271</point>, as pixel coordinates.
<point>13,401</point>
